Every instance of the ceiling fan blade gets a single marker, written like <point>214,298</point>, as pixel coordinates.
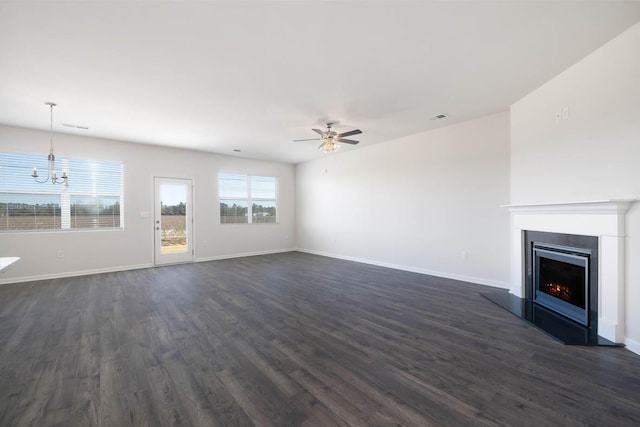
<point>318,131</point>
<point>351,132</point>
<point>348,141</point>
<point>312,139</point>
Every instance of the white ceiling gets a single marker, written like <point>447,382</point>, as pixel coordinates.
<point>219,76</point>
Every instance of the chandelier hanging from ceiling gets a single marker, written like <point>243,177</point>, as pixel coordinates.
<point>52,175</point>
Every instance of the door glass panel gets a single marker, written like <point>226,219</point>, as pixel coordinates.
<point>173,202</point>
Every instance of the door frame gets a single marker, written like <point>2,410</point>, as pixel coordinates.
<point>167,259</point>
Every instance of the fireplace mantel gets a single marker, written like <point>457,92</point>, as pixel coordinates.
<point>604,219</point>
<point>595,207</point>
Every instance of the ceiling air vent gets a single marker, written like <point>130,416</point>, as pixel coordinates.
<point>439,116</point>
<point>75,126</point>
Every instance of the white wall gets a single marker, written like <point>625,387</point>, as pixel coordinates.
<point>87,251</point>
<point>414,203</point>
<point>592,155</point>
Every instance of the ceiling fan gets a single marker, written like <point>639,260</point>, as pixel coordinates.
<point>331,139</point>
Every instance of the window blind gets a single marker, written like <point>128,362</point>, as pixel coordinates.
<point>92,197</point>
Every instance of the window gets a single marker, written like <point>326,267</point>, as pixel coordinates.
<point>91,199</point>
<point>247,199</point>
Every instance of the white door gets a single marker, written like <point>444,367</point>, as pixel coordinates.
<point>173,220</point>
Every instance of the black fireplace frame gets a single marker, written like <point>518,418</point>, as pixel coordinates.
<point>578,257</point>
<point>587,244</point>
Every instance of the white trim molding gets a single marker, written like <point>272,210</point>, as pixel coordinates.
<point>445,275</point>
<point>596,207</point>
<point>73,274</point>
<point>632,345</point>
<point>243,254</point>
<point>604,219</point>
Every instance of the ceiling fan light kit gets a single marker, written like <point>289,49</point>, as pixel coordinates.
<point>329,147</point>
<point>331,140</point>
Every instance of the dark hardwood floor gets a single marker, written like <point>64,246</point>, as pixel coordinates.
<point>292,339</point>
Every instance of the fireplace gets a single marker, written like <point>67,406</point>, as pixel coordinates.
<point>561,286</point>
<point>561,280</point>
<point>600,221</point>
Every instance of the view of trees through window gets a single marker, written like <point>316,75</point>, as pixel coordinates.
<point>179,209</point>
<point>247,199</point>
<point>48,216</point>
<point>238,214</point>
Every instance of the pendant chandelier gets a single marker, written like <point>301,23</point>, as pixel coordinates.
<point>52,175</point>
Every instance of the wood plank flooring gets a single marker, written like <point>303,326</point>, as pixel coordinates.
<point>292,340</point>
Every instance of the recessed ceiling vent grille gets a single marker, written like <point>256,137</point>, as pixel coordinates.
<point>69,125</point>
<point>439,117</point>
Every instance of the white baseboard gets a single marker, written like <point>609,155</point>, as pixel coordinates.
<point>462,278</point>
<point>632,345</point>
<point>72,274</point>
<point>242,255</point>
<point>127,267</point>
<point>609,329</point>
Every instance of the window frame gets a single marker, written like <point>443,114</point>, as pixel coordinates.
<point>249,199</point>
<point>62,192</point>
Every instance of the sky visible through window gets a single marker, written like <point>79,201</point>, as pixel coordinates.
<point>172,195</point>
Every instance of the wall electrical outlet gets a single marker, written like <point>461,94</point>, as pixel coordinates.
<point>565,113</point>
<point>464,255</point>
<point>60,254</point>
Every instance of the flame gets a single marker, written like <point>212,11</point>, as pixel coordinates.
<point>558,291</point>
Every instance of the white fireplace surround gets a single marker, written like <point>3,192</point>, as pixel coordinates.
<point>604,219</point>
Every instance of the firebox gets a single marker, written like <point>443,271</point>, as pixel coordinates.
<point>561,280</point>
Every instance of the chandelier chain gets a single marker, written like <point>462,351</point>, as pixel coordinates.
<point>51,128</point>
